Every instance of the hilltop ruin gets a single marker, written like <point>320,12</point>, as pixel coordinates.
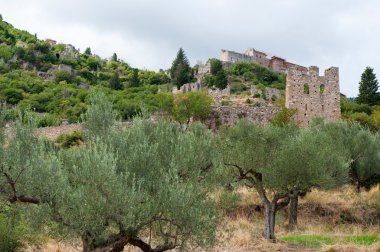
<point>275,63</point>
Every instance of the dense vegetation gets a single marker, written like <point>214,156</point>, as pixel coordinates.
<point>153,184</point>
<point>255,74</point>
<point>62,93</point>
<point>150,185</point>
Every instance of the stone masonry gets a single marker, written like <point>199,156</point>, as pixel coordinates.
<point>275,63</point>
<point>313,95</point>
<point>228,116</point>
<point>269,92</point>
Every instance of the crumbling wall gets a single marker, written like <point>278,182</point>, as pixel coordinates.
<point>228,116</point>
<point>313,95</point>
<point>188,87</point>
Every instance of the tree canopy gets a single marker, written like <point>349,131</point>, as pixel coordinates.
<point>122,184</point>
<point>279,162</point>
<point>180,72</point>
<point>369,88</point>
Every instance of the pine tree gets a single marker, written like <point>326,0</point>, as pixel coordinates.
<point>368,88</point>
<point>88,51</point>
<point>114,57</point>
<point>180,72</point>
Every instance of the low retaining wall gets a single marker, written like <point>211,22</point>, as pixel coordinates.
<point>228,116</point>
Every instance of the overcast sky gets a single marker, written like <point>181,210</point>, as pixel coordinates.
<point>148,33</point>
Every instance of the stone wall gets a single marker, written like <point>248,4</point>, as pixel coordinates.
<point>269,92</point>
<point>228,116</point>
<point>230,56</point>
<point>313,95</point>
<point>185,88</point>
<point>220,92</point>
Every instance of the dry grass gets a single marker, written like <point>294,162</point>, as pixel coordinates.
<point>336,215</point>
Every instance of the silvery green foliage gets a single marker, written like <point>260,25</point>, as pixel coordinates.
<point>145,178</point>
<point>100,116</point>
<point>285,157</point>
<point>147,183</point>
<point>29,170</point>
<point>362,146</point>
<point>155,180</point>
<point>281,162</point>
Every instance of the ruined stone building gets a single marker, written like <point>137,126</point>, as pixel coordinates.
<point>188,87</point>
<point>313,95</point>
<point>275,63</point>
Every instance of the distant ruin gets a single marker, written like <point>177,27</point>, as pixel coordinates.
<point>275,63</point>
<point>313,95</point>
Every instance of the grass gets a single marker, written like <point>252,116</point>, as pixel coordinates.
<point>319,240</point>
<point>363,240</point>
<point>320,224</point>
<point>309,240</point>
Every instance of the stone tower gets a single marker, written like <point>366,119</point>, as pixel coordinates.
<point>313,95</point>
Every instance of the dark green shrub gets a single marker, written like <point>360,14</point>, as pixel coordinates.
<point>10,236</point>
<point>225,103</point>
<point>229,200</point>
<point>238,88</point>
<point>48,120</point>
<point>63,75</point>
<point>70,139</point>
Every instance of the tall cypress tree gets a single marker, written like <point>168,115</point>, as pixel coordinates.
<point>115,82</point>
<point>368,88</point>
<point>180,72</point>
<point>135,81</point>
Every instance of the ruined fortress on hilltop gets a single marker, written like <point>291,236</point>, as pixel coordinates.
<point>275,63</point>
<point>306,91</point>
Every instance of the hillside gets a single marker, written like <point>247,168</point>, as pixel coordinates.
<point>55,78</point>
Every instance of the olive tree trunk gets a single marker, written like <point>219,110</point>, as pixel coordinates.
<point>293,211</point>
<point>269,220</point>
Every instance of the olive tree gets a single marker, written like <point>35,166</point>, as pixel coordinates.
<point>145,185</point>
<point>27,166</point>
<point>278,162</point>
<point>363,147</point>
<point>311,159</point>
<point>140,186</point>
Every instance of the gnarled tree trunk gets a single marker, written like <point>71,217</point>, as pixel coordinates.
<point>269,220</point>
<point>293,210</point>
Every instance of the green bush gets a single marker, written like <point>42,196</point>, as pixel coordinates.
<point>10,236</point>
<point>229,200</point>
<point>63,75</point>
<point>238,88</point>
<point>256,104</point>
<point>69,140</point>
<point>257,95</point>
<point>285,116</point>
<point>225,103</point>
<point>48,120</point>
